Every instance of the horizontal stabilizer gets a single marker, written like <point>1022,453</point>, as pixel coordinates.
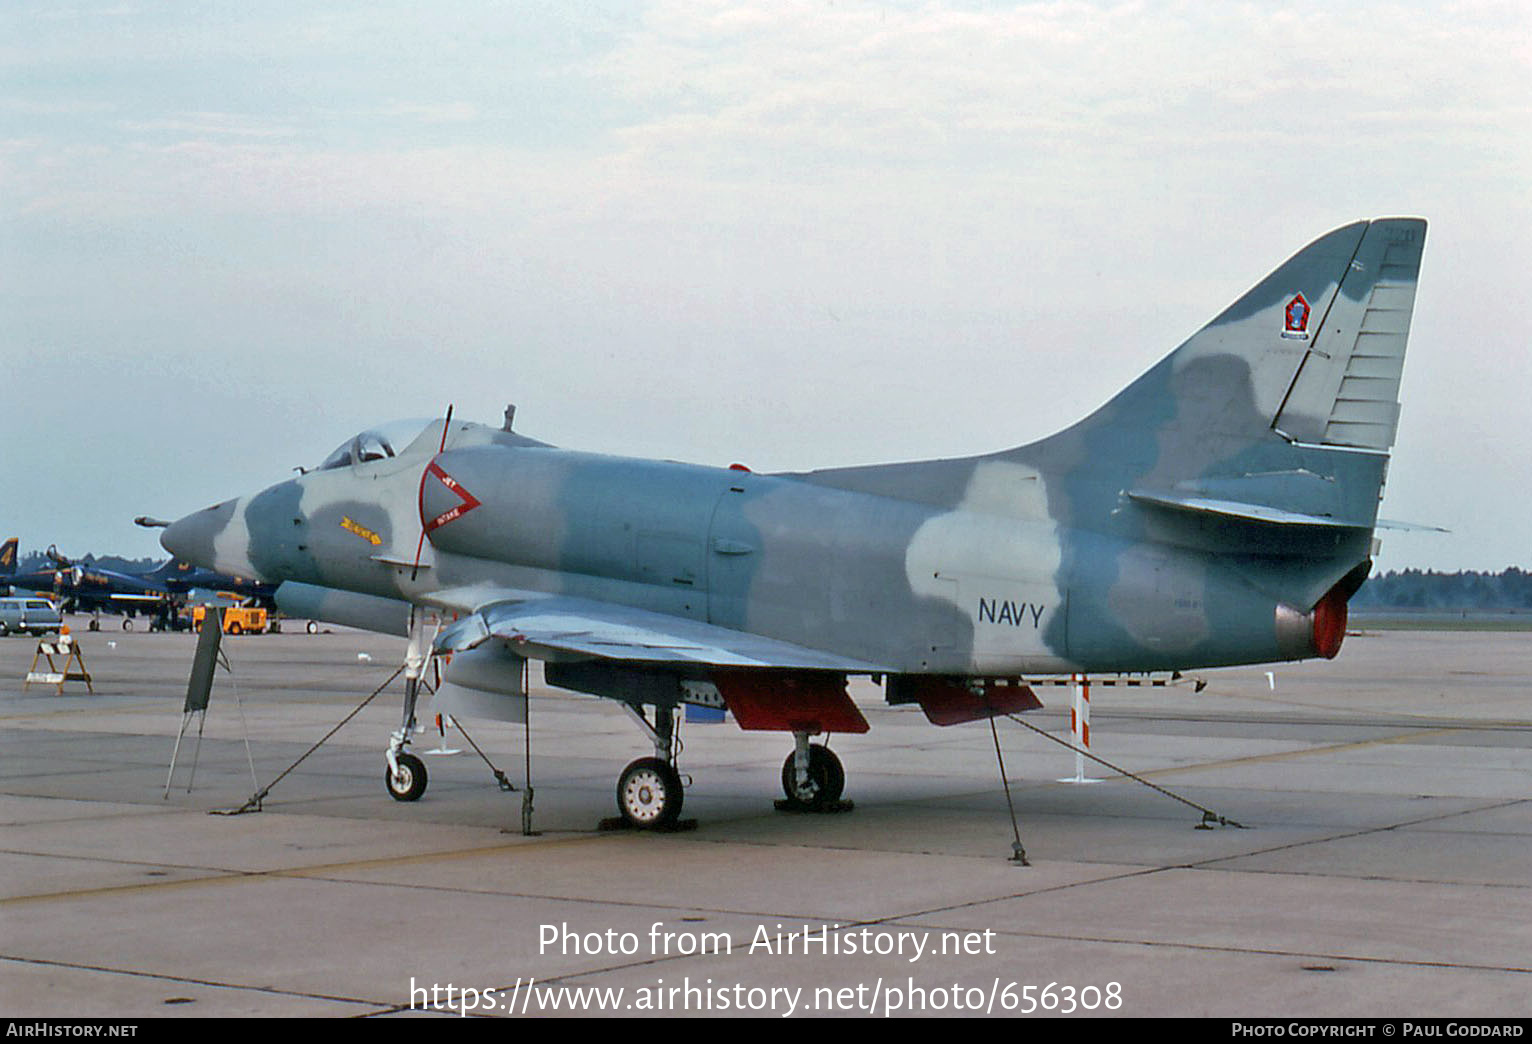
<point>1409,527</point>
<point>1242,512</point>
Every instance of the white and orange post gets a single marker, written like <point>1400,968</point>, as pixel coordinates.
<point>1079,728</point>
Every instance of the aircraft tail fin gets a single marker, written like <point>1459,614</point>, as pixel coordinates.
<point>1314,351</point>
<point>1244,419</point>
<point>172,569</point>
<point>1270,425</point>
<point>8,556</point>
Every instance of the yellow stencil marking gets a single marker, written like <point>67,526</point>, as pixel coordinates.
<point>361,531</point>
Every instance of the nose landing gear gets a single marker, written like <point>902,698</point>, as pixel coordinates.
<point>406,778</point>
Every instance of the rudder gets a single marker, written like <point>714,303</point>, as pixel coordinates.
<point>1346,391</point>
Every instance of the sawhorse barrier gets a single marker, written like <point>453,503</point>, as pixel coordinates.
<point>57,674</point>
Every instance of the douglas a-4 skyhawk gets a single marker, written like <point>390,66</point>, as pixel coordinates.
<point>1219,510</point>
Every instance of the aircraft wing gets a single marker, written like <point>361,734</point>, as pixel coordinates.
<point>560,627</point>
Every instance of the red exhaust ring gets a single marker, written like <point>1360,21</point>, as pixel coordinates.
<point>1330,623</point>
<point>1320,630</point>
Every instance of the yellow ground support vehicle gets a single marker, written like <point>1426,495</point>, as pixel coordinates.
<point>236,620</point>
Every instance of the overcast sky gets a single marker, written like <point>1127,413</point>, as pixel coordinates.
<point>789,234</point>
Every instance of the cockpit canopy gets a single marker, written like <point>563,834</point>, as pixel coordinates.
<point>380,443</point>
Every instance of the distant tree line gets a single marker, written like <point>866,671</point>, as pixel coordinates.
<point>1427,589</point>
<point>32,561</point>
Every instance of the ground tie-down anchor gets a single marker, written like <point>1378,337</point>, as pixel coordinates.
<point>1018,852</point>
<point>254,804</point>
<point>526,736</point>
<point>1209,817</point>
<point>501,779</point>
<point>526,814</point>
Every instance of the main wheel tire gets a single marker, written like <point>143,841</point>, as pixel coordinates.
<point>827,779</point>
<point>127,623</point>
<point>649,794</point>
<point>235,628</point>
<point>410,783</point>
<point>312,627</point>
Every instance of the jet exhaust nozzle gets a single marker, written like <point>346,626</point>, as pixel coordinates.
<point>1318,632</point>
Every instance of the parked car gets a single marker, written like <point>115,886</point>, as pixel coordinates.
<point>28,616</point>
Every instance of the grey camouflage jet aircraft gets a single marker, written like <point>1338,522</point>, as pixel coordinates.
<point>1219,510</point>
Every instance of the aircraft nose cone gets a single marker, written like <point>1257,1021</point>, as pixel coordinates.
<point>192,538</point>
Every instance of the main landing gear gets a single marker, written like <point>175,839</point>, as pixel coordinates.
<point>812,778</point>
<point>650,795</point>
<point>650,791</point>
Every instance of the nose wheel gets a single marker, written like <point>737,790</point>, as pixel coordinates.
<point>409,781</point>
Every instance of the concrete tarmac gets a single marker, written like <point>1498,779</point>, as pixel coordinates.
<point>1384,867</point>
